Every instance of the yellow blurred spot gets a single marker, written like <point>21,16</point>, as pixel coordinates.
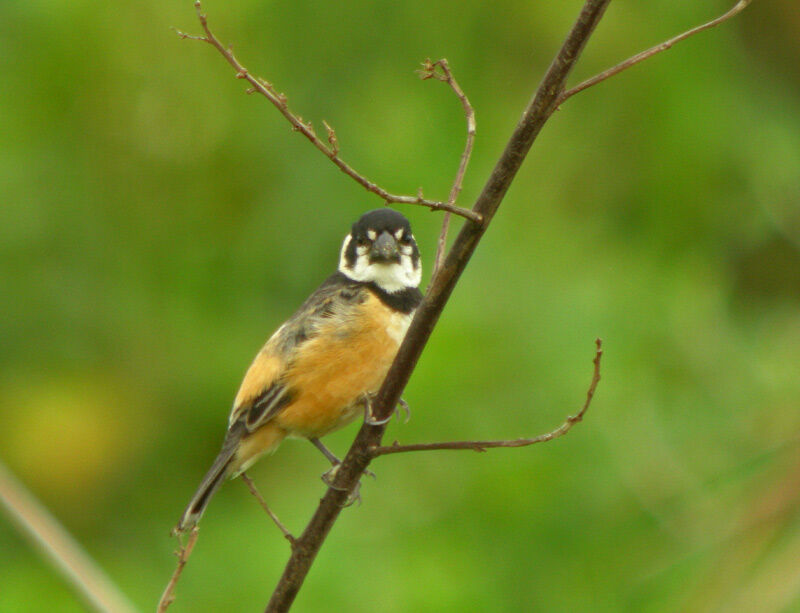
<point>66,437</point>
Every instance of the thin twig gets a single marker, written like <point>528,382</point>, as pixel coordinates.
<point>565,427</point>
<point>183,553</point>
<point>252,487</point>
<point>66,554</point>
<point>446,76</point>
<point>330,148</point>
<point>640,57</point>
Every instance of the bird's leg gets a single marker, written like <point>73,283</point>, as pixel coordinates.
<point>329,475</point>
<point>252,487</point>
<point>325,451</point>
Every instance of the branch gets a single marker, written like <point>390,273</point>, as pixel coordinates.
<point>445,75</point>
<point>565,427</point>
<point>252,487</point>
<point>640,57</point>
<point>330,148</point>
<point>183,553</point>
<point>44,530</point>
<point>544,103</point>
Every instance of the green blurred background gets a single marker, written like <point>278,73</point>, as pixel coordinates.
<point>157,225</point>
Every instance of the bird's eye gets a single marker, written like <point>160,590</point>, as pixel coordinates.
<point>361,241</point>
<point>405,239</point>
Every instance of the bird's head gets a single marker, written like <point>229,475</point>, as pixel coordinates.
<point>381,249</point>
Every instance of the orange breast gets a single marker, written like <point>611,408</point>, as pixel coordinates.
<point>333,371</point>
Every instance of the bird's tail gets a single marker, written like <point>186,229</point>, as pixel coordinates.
<point>211,482</point>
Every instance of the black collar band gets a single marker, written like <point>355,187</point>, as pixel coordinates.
<point>405,300</point>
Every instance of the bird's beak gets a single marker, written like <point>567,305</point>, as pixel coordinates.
<point>384,249</point>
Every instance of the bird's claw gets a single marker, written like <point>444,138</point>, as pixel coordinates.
<point>370,419</point>
<point>402,404</point>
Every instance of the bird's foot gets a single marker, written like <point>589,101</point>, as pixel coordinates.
<point>329,476</point>
<point>369,417</point>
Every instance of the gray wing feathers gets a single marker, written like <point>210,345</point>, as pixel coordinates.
<point>266,405</point>
<point>335,298</point>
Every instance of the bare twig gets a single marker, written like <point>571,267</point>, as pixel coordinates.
<point>541,107</point>
<point>640,57</point>
<point>330,148</point>
<point>565,427</point>
<point>183,553</point>
<point>445,75</point>
<point>72,561</point>
<point>252,487</point>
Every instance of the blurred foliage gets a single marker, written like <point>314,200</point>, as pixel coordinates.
<point>157,225</point>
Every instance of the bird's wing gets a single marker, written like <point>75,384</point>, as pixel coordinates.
<point>264,392</point>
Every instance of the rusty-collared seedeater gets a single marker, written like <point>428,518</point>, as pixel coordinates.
<point>317,372</point>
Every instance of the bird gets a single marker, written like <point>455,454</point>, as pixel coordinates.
<point>319,370</point>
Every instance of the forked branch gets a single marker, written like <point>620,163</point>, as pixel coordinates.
<point>330,146</point>
<point>565,427</point>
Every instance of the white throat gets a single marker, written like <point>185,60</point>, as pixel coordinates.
<point>391,277</point>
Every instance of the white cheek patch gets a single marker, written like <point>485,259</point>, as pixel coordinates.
<point>372,235</point>
<point>391,277</point>
<point>399,234</point>
<point>343,253</point>
<point>413,273</point>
